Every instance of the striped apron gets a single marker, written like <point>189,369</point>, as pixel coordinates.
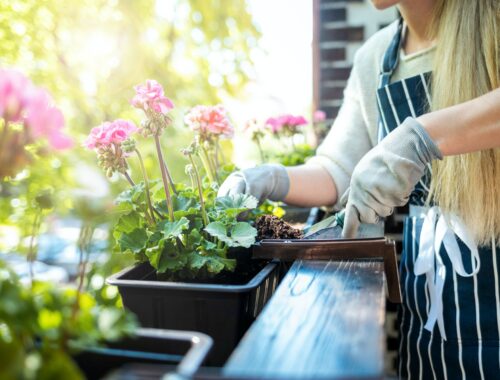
<point>450,317</point>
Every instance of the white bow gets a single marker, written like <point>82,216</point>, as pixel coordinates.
<point>436,230</point>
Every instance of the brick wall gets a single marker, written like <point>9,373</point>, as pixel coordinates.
<point>340,27</point>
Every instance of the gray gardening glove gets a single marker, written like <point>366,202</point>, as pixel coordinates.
<point>269,181</point>
<point>385,177</point>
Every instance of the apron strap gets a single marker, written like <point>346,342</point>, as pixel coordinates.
<point>391,56</point>
<point>440,230</point>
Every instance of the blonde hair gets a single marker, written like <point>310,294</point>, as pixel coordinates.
<point>466,66</point>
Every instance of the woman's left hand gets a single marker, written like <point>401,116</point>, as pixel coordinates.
<point>385,177</point>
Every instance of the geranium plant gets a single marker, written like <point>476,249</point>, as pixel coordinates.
<point>29,123</point>
<point>285,129</point>
<point>183,230</point>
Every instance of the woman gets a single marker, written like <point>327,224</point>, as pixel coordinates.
<point>379,154</point>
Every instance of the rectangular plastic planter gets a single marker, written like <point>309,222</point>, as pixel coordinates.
<point>224,312</point>
<point>175,352</point>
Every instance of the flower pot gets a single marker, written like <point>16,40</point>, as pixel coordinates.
<point>179,352</point>
<point>223,311</point>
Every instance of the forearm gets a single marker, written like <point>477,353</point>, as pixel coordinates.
<point>310,186</point>
<point>466,127</point>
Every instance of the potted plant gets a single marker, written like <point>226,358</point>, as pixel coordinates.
<point>186,241</point>
<point>54,332</point>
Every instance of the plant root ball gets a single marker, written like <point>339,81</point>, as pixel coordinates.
<point>272,227</point>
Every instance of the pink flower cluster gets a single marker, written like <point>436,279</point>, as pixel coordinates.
<point>319,116</point>
<point>150,96</point>
<point>207,120</point>
<point>22,102</point>
<point>288,122</point>
<point>109,132</point>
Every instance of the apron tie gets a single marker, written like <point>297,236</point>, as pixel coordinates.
<point>439,230</point>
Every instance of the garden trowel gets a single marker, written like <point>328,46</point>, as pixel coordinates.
<point>331,228</point>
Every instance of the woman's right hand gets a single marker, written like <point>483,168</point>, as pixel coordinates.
<point>268,181</point>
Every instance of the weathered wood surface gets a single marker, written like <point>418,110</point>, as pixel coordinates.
<point>342,249</point>
<point>324,321</point>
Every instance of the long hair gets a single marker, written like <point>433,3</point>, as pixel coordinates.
<point>466,66</point>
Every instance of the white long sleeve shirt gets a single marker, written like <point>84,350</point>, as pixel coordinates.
<point>355,129</point>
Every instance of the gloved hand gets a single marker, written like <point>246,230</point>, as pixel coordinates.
<point>269,181</point>
<point>385,177</point>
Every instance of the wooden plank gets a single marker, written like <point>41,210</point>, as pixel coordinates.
<point>341,249</point>
<point>324,321</point>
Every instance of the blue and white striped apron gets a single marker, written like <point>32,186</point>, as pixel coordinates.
<point>450,316</point>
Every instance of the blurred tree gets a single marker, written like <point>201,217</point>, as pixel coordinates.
<point>90,53</point>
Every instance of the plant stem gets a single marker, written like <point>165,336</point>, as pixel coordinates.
<point>164,178</point>
<point>83,244</point>
<point>3,138</point>
<point>217,149</point>
<point>126,175</point>
<point>200,191</point>
<point>213,162</point>
<point>220,151</point>
<point>146,185</point>
<point>202,153</point>
<point>169,177</point>
<point>31,251</point>
<point>261,151</point>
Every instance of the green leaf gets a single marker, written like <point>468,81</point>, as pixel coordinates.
<point>11,357</point>
<point>128,222</point>
<point>233,205</point>
<point>135,241</point>
<point>236,201</point>
<point>171,259</point>
<point>176,228</point>
<point>243,235</point>
<point>218,230</point>
<point>185,205</point>
<point>134,196</point>
<point>196,261</point>
<point>58,365</point>
<point>165,256</point>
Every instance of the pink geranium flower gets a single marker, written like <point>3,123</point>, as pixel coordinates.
<point>45,120</point>
<point>319,116</point>
<point>15,90</point>
<point>109,132</point>
<point>209,120</point>
<point>288,122</point>
<point>150,96</point>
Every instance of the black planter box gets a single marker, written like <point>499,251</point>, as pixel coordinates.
<point>175,352</point>
<point>224,312</point>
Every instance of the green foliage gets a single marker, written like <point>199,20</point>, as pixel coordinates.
<point>297,156</point>
<point>184,248</point>
<point>39,323</point>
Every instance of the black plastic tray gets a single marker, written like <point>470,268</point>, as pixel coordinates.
<point>222,311</point>
<point>176,352</point>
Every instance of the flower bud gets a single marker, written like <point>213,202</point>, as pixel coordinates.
<point>128,146</point>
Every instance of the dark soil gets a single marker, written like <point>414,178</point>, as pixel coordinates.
<point>272,227</point>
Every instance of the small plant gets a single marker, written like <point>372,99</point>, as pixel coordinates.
<point>286,130</point>
<point>43,325</point>
<point>182,230</point>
